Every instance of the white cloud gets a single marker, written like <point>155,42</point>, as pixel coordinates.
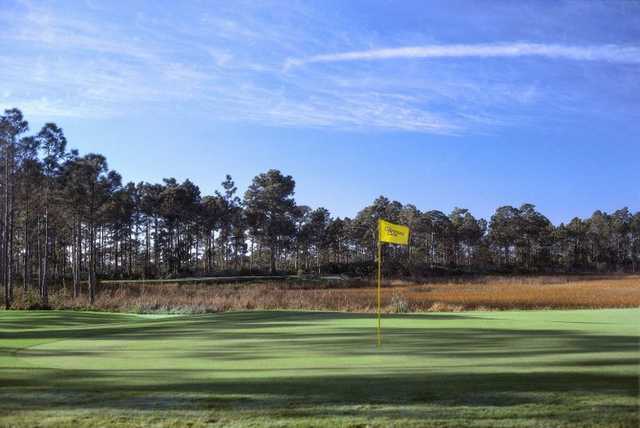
<point>610,53</point>
<point>230,67</point>
<point>48,109</point>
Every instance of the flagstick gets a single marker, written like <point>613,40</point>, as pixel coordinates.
<point>392,234</point>
<point>379,280</point>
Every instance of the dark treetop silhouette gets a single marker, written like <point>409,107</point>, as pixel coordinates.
<point>68,217</point>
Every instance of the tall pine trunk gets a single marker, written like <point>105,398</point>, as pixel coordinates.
<point>5,230</point>
<point>44,287</point>
<point>92,263</point>
<point>26,280</point>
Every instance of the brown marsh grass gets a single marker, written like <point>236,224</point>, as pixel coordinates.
<point>478,293</point>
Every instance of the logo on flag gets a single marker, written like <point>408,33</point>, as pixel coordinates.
<point>392,233</point>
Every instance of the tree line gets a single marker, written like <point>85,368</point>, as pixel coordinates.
<point>67,218</point>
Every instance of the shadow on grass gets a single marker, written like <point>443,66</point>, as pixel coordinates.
<point>23,320</point>
<point>250,335</point>
<point>494,369</point>
<point>56,325</point>
<point>110,389</point>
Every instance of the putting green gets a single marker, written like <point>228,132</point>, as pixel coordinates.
<point>537,368</point>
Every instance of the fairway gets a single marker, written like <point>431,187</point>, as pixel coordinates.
<point>537,368</point>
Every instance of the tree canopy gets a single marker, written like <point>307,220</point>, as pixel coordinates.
<point>67,217</point>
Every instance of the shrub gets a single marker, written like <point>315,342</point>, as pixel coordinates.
<point>399,303</point>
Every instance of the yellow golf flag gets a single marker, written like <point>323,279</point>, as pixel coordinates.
<point>392,233</point>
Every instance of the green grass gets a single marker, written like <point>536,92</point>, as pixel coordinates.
<point>538,368</point>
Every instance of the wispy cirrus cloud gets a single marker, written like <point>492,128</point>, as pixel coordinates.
<point>609,53</point>
<point>167,64</point>
<point>244,64</point>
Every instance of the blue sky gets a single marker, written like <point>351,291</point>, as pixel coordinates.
<point>473,104</point>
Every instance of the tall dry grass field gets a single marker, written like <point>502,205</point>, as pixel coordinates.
<point>482,293</point>
<point>525,293</point>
